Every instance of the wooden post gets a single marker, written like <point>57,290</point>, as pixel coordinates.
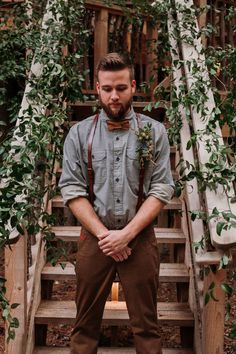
<point>213,315</point>
<point>151,67</point>
<point>16,275</point>
<point>202,21</point>
<point>128,38</point>
<point>100,37</point>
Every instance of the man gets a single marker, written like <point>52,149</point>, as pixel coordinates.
<point>116,196</point>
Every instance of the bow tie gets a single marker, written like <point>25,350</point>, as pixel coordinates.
<point>123,124</point>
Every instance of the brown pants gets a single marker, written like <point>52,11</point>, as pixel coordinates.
<point>95,273</point>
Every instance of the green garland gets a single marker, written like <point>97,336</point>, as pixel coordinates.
<point>61,80</point>
<point>39,129</point>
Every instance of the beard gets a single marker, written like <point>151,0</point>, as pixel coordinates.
<point>120,115</point>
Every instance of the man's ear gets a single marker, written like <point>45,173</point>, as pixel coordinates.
<point>133,86</point>
<point>98,87</point>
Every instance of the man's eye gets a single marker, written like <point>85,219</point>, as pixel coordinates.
<point>122,88</point>
<point>106,89</point>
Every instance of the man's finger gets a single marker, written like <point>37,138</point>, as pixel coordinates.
<point>102,236</point>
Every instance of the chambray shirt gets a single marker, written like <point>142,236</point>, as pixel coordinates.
<point>116,168</point>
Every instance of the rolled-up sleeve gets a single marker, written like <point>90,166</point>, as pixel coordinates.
<point>162,185</point>
<point>73,181</point>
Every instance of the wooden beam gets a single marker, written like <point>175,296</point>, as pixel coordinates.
<point>213,315</point>
<point>100,5</point>
<point>151,64</point>
<point>100,37</point>
<point>192,55</point>
<point>36,299</point>
<point>202,20</point>
<point>16,275</point>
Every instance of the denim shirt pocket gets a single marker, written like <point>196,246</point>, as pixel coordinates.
<point>98,165</point>
<point>132,168</point>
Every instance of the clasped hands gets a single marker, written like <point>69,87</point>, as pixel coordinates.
<point>114,243</point>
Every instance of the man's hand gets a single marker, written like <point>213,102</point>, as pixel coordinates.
<point>122,255</point>
<point>114,242</point>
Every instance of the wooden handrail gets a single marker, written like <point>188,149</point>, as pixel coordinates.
<point>16,258</point>
<point>211,339</point>
<point>192,53</point>
<point>193,200</point>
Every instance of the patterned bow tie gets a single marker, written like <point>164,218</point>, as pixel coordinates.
<point>123,124</point>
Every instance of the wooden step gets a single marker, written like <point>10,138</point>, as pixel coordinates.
<point>115,313</point>
<point>174,204</point>
<point>120,350</point>
<point>169,272</point>
<point>163,235</point>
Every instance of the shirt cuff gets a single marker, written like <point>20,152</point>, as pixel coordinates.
<point>163,192</point>
<point>71,192</point>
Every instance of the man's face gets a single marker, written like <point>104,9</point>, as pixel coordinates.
<point>115,90</point>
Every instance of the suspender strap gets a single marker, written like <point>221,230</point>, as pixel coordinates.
<point>90,166</point>
<point>141,174</point>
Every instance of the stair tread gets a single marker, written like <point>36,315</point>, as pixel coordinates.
<point>174,204</point>
<point>115,313</point>
<point>120,350</point>
<point>169,272</point>
<point>163,235</point>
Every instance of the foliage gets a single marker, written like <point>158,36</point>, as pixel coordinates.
<point>29,164</point>
<point>53,80</point>
<point>12,322</point>
<point>144,150</point>
<point>192,96</point>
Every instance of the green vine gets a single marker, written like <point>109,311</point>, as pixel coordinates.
<point>28,153</point>
<point>62,80</point>
<point>220,169</point>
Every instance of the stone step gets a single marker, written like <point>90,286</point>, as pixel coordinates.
<point>169,272</point>
<point>115,313</point>
<point>163,235</point>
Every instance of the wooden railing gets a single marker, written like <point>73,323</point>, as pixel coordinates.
<point>211,336</point>
<point>22,274</point>
<point>22,290</point>
<point>111,31</point>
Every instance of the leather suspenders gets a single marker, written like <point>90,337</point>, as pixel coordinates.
<point>90,166</point>
<point>141,175</point>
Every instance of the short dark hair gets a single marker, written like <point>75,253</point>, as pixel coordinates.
<point>115,62</point>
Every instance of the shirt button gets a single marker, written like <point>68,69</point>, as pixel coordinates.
<point>119,220</point>
<point>117,138</point>
<point>117,200</point>
<point>117,159</point>
<point>117,179</point>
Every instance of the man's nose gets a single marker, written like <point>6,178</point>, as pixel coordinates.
<point>114,95</point>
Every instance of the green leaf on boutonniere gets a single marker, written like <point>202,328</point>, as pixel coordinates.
<point>145,147</point>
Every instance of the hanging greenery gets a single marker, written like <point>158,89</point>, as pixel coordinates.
<point>27,153</point>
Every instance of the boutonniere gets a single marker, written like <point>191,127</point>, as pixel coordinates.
<point>145,147</point>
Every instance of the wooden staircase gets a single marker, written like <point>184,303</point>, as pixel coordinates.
<point>174,270</point>
<point>180,310</point>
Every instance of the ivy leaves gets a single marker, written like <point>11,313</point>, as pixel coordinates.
<point>12,322</point>
<point>36,142</point>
